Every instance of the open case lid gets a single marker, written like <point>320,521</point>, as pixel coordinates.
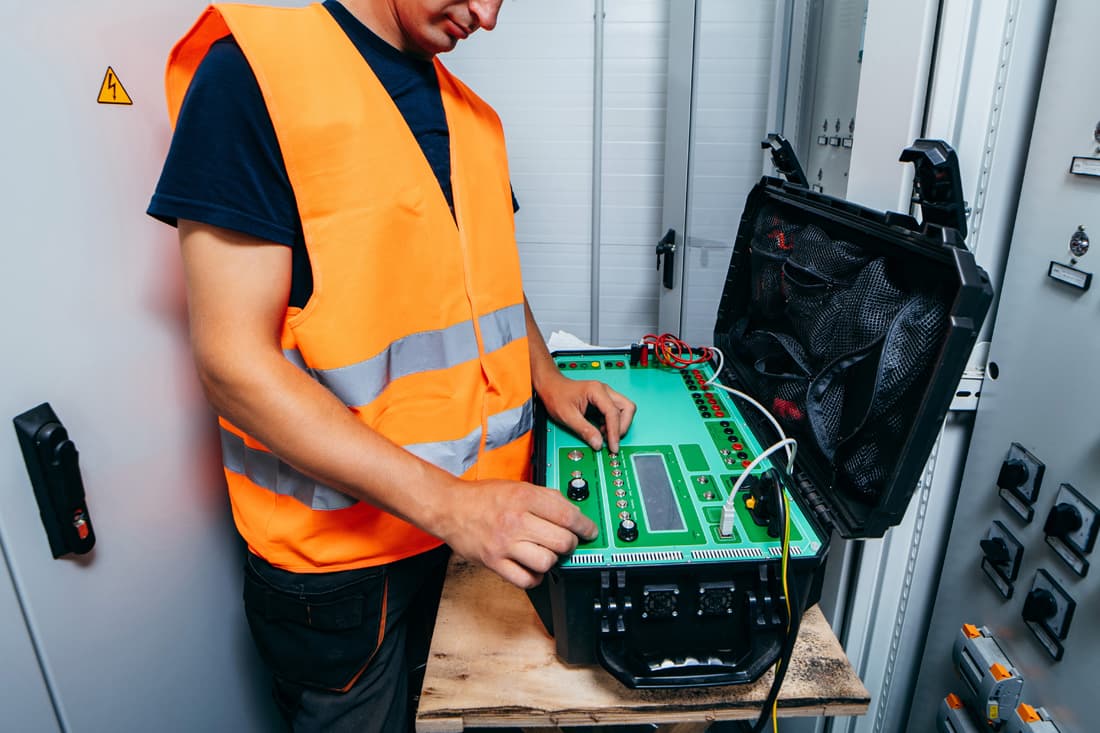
<point>853,327</point>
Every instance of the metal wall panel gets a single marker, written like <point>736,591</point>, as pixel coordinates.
<point>1044,342</point>
<point>147,631</point>
<point>731,94</point>
<point>584,106</point>
<point>24,695</point>
<point>537,69</point>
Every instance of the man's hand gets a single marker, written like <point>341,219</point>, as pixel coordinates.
<point>517,530</point>
<point>567,400</point>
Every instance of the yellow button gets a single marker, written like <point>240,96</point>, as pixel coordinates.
<point>595,365</point>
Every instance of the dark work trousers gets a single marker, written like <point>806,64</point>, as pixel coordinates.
<point>346,649</point>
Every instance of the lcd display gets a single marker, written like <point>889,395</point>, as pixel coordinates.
<point>662,511</point>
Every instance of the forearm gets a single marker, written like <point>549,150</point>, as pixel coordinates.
<point>237,303</point>
<point>306,426</point>
<point>543,369</point>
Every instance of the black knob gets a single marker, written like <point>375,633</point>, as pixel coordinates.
<point>995,550</point>
<point>628,530</point>
<point>1039,605</point>
<point>1064,519</point>
<point>578,489</point>
<point>1013,474</point>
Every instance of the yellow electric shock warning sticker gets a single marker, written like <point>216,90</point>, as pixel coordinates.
<point>111,91</point>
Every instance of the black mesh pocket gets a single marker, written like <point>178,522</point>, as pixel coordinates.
<point>907,353</point>
<point>772,241</point>
<point>841,347</point>
<point>817,279</point>
<point>782,376</point>
<point>813,310</point>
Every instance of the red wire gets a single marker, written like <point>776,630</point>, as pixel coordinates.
<point>673,352</point>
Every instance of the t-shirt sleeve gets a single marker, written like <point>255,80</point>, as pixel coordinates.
<point>224,166</point>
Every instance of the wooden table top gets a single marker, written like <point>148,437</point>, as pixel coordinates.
<point>492,664</point>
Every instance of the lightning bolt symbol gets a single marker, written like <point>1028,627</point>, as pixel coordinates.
<point>111,85</point>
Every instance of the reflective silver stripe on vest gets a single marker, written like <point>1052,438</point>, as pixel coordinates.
<point>457,456</point>
<point>510,425</point>
<point>453,456</point>
<point>360,383</point>
<point>295,357</point>
<point>502,327</point>
<point>266,470</point>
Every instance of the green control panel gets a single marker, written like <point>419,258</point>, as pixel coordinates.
<point>658,501</point>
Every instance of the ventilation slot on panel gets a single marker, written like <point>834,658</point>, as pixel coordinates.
<point>596,559</point>
<point>778,551</point>
<point>635,557</point>
<point>727,553</point>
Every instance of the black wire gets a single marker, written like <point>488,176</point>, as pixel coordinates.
<point>780,673</point>
<point>793,621</point>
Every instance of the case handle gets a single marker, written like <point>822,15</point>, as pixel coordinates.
<point>637,675</point>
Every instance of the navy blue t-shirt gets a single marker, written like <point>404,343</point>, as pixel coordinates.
<point>224,166</point>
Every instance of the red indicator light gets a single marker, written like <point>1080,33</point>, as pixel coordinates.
<point>746,464</point>
<point>572,365</point>
<point>738,446</point>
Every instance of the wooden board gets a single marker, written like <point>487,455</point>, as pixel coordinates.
<point>492,664</point>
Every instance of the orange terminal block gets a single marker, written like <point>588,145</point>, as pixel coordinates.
<point>1027,713</point>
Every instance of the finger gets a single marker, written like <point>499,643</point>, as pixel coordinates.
<point>534,558</point>
<point>556,538</point>
<point>627,410</point>
<point>515,573</point>
<point>580,426</point>
<point>610,403</point>
<point>552,507</point>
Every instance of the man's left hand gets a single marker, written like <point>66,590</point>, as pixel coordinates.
<point>567,400</point>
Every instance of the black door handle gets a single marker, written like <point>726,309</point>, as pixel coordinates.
<point>52,463</point>
<point>666,251</point>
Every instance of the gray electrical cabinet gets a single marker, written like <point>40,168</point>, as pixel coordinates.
<point>1018,567</point>
<point>146,631</point>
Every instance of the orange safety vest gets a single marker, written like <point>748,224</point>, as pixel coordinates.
<point>417,324</point>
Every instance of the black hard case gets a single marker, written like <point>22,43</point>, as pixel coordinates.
<point>589,609</point>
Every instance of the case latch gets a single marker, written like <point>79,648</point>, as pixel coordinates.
<point>784,159</point>
<point>937,187</point>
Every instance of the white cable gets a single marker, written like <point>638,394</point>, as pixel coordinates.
<point>747,398</point>
<point>725,528</point>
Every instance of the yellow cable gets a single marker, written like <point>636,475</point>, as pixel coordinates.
<point>786,594</point>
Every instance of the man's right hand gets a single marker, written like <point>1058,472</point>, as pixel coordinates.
<point>516,529</point>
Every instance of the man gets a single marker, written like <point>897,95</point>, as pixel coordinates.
<point>358,322</point>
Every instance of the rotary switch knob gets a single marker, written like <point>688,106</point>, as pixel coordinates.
<point>628,530</point>
<point>1013,474</point>
<point>1064,519</point>
<point>995,550</point>
<point>1039,605</point>
<point>578,489</point>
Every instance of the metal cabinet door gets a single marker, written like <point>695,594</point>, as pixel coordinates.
<point>146,632</point>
